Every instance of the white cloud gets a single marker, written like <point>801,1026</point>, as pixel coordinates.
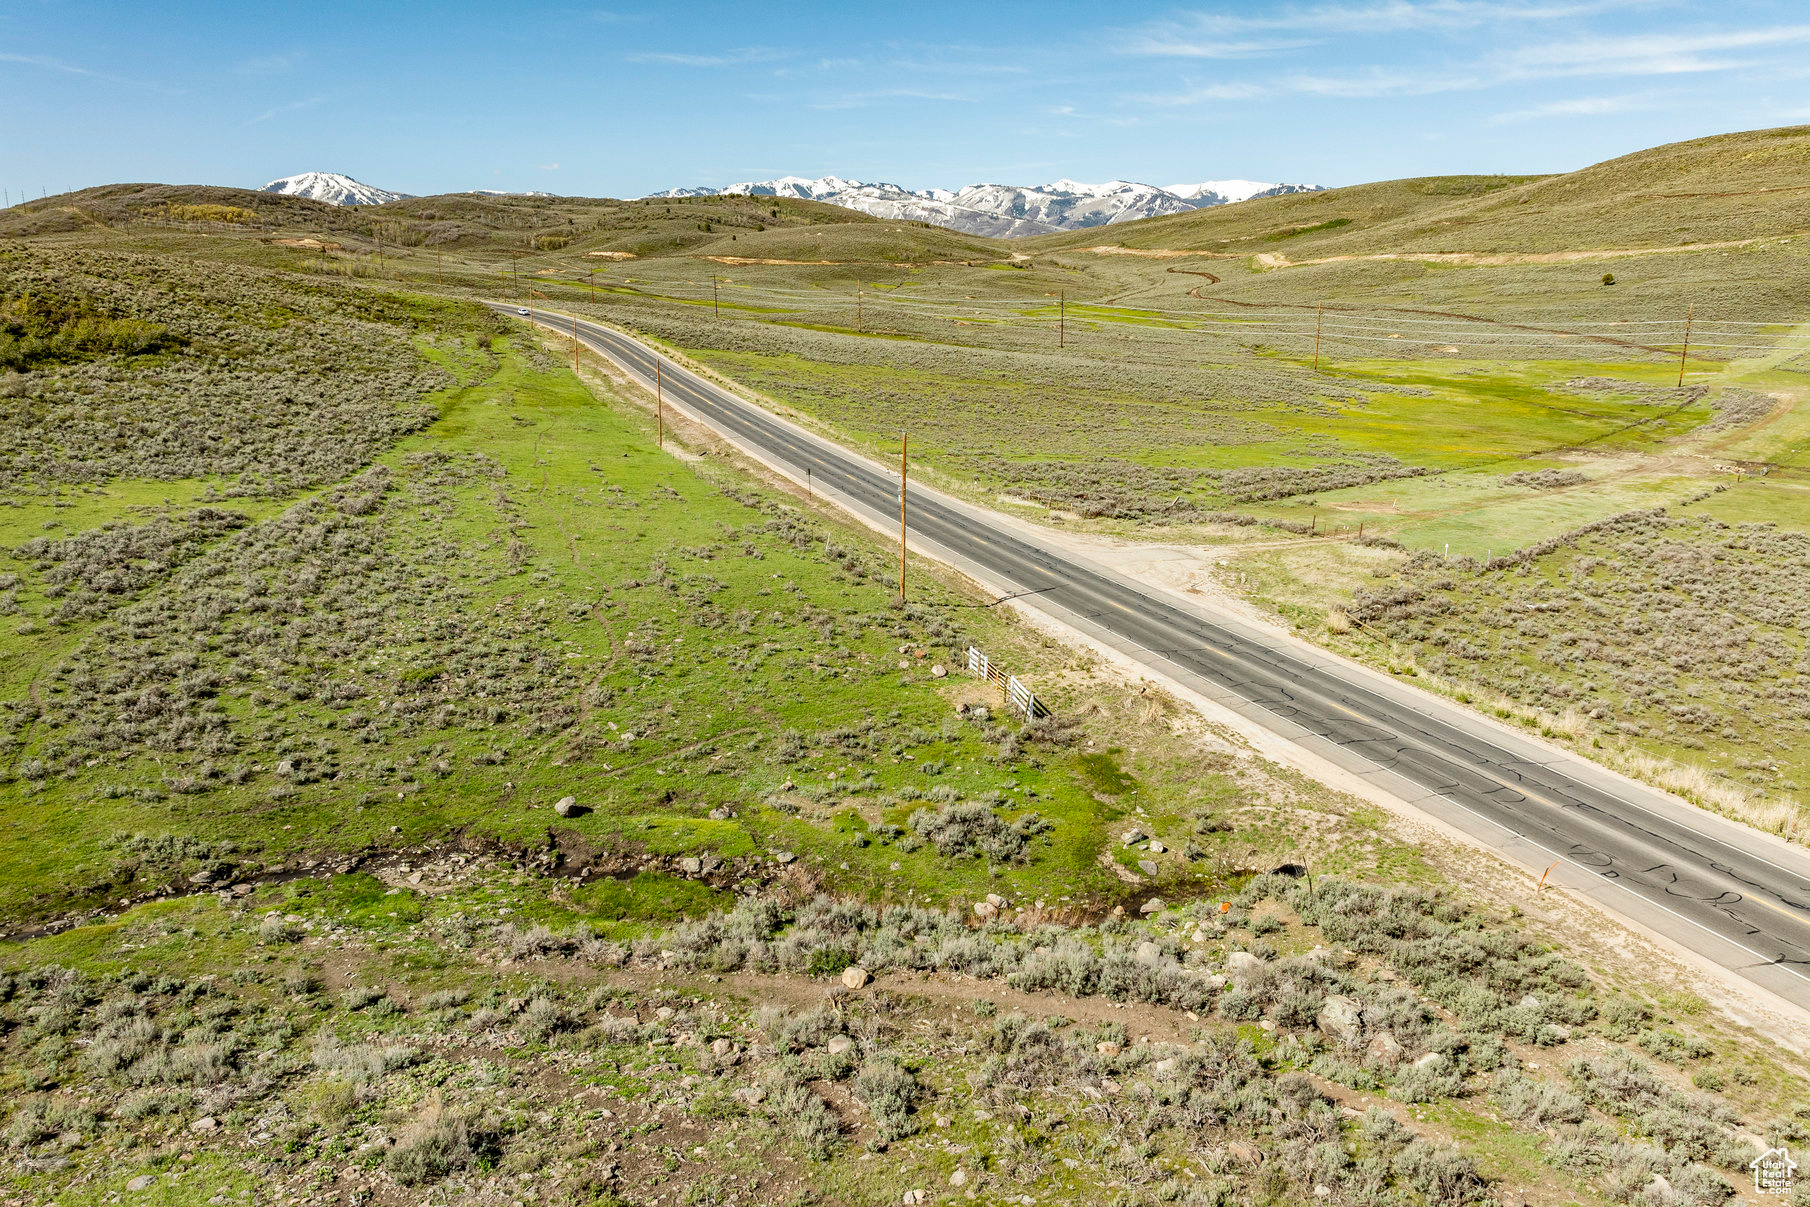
<point>270,64</point>
<point>861,100</point>
<point>1653,55</point>
<point>1583,106</point>
<point>547,167</point>
<point>291,107</point>
<point>732,58</point>
<point>1649,54</point>
<point>44,60</point>
<point>1385,16</point>
<point>1174,45</point>
<point>1205,93</point>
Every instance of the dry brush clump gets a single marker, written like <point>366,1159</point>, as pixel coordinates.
<point>1675,631</point>
<point>1266,482</point>
<point>266,381</point>
<point>292,613</point>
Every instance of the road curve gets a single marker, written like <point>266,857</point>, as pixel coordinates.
<point>1728,894</point>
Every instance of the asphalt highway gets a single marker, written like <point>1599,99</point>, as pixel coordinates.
<point>1726,894</point>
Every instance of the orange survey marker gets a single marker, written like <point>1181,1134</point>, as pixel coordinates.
<point>1543,876</point>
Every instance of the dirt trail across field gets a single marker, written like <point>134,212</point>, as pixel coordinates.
<point>1275,260</point>
<point>1268,259</point>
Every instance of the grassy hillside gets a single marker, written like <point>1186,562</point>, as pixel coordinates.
<point>1749,185</point>
<point>467,222</point>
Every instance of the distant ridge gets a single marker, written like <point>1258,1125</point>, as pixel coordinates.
<point>1009,211</point>
<point>332,188</point>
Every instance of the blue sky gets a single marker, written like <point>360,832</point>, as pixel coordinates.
<point>627,99</point>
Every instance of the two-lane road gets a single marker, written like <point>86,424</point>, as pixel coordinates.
<point>1735,897</point>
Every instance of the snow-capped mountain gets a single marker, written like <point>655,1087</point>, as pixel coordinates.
<point>1004,210</point>
<point>331,188</point>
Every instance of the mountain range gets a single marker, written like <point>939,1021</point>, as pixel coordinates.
<point>335,189</point>
<point>1000,210</point>
<point>1008,211</point>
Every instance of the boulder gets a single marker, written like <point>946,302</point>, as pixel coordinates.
<point>1431,1060</point>
<point>1153,906</point>
<point>985,909</point>
<point>1341,1018</point>
<point>959,1178</point>
<point>722,813</point>
<point>914,1197</point>
<point>206,1123</point>
<point>1131,838</point>
<point>855,976</point>
<point>1384,1048</point>
<point>838,1045</point>
<point>721,1048</point>
<point>1530,1002</point>
<point>1148,867</point>
<point>938,670</point>
<point>751,1095</point>
<point>143,1181</point>
<point>1107,1048</point>
<point>691,865</point>
<point>996,901</point>
<point>566,806</point>
<point>1157,848</point>
<point>784,857</point>
<point>1148,954</point>
<point>1165,1066</point>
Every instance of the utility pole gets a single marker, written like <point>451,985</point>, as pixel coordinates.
<point>1685,351</point>
<point>1062,320</point>
<point>904,444</point>
<point>1318,307</point>
<point>715,305</point>
<point>810,496</point>
<point>659,406</point>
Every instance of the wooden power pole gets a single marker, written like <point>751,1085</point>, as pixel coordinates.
<point>1685,351</point>
<point>904,444</point>
<point>715,306</point>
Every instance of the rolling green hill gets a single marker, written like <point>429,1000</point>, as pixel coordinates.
<point>1753,184</point>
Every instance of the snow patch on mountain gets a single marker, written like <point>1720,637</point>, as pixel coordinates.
<point>1005,210</point>
<point>332,188</point>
